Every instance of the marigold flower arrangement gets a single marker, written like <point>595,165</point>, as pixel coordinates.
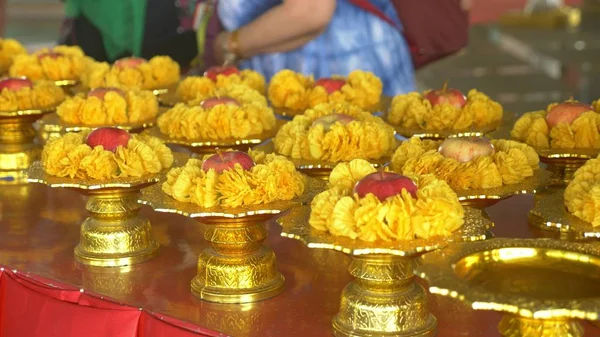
<point>55,64</point>
<point>467,163</point>
<point>193,89</point>
<point>233,179</point>
<point>108,106</point>
<point>235,111</point>
<point>335,132</point>
<point>296,91</point>
<point>582,195</point>
<point>445,109</point>
<point>105,153</point>
<point>133,73</point>
<point>362,203</point>
<point>567,125</point>
<point>9,48</point>
<point>17,94</point>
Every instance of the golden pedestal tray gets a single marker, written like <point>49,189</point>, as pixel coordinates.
<point>485,197</point>
<point>563,17</point>
<point>564,162</point>
<point>381,107</point>
<point>550,213</point>
<point>540,285</point>
<point>443,134</point>
<point>383,299</point>
<point>209,146</point>
<point>313,168</point>
<point>115,234</point>
<point>18,149</point>
<point>51,126</point>
<point>238,267</point>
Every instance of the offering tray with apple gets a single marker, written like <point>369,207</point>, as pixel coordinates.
<point>313,168</point>
<point>542,286</point>
<point>237,267</point>
<point>384,299</point>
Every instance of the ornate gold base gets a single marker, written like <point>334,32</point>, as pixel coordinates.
<point>115,234</point>
<point>17,147</point>
<point>317,173</point>
<point>558,18</point>
<point>383,300</point>
<point>562,174</point>
<point>515,326</point>
<point>238,268</point>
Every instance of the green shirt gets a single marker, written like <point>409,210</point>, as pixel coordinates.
<point>121,23</point>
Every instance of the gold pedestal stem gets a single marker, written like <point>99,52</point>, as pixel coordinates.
<point>515,326</point>
<point>237,268</point>
<point>115,234</point>
<point>383,300</point>
<point>17,148</point>
<point>562,174</point>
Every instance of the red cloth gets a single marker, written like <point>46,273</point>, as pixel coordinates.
<point>33,306</point>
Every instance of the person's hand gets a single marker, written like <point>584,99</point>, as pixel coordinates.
<point>218,44</point>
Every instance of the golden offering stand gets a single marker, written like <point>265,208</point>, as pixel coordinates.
<point>209,146</point>
<point>550,214</point>
<point>443,134</point>
<point>313,168</point>
<point>237,267</point>
<point>383,299</point>
<point>564,162</point>
<point>542,286</point>
<point>380,108</point>
<point>18,149</point>
<point>115,234</point>
<point>553,17</point>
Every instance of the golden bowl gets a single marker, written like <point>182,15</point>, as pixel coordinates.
<point>238,267</point>
<point>384,284</point>
<point>564,162</point>
<point>540,285</point>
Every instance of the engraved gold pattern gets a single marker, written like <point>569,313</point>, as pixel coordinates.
<point>383,299</point>
<point>238,267</point>
<point>540,285</point>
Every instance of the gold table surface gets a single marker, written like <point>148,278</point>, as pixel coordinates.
<point>39,228</point>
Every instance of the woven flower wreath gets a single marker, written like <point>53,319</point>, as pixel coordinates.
<point>133,73</point>
<point>568,125</point>
<point>335,132</point>
<point>9,49</point>
<point>55,64</point>
<point>296,91</point>
<point>104,154</point>
<point>427,207</point>
<point>235,111</point>
<point>193,89</point>
<point>582,195</point>
<point>467,163</point>
<point>234,178</point>
<point>18,94</point>
<point>446,109</point>
<point>109,106</point>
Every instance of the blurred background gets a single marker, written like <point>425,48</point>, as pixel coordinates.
<point>522,67</point>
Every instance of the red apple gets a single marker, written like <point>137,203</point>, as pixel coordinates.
<point>330,84</point>
<point>384,185</point>
<point>566,112</point>
<point>212,72</point>
<point>101,92</point>
<point>465,149</point>
<point>109,138</point>
<point>451,96</point>
<point>49,54</point>
<point>328,120</point>
<point>15,83</point>
<point>214,101</point>
<point>129,62</point>
<point>222,161</point>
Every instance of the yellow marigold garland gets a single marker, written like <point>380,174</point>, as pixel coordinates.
<point>296,91</point>
<point>43,95</point>
<point>158,73</point>
<point>69,66</point>
<point>197,88</point>
<point>510,164</point>
<point>435,211</point>
<point>582,195</point>
<point>532,129</point>
<point>9,49</point>
<point>223,121</point>
<point>272,178</point>
<point>368,137</point>
<point>412,110</point>
<point>70,156</point>
<point>114,109</point>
